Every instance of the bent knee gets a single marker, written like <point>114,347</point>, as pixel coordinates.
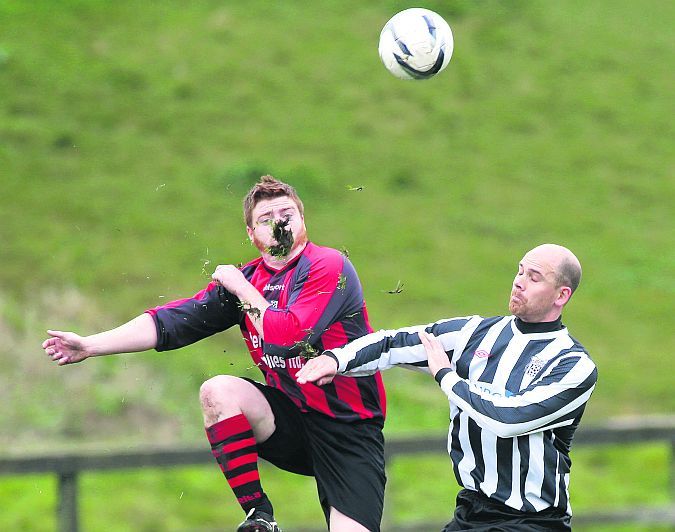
<point>225,396</point>
<point>217,388</point>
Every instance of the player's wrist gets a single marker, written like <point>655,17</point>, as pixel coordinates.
<point>441,373</point>
<point>335,359</point>
<point>89,347</point>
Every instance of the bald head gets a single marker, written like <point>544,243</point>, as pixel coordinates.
<point>547,276</point>
<point>566,267</point>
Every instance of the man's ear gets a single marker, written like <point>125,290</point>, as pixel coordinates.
<point>249,232</point>
<point>564,296</point>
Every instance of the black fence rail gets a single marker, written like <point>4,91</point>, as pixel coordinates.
<point>616,431</point>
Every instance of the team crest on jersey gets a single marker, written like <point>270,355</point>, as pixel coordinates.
<point>534,366</point>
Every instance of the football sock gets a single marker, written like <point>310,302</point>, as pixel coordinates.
<point>234,448</point>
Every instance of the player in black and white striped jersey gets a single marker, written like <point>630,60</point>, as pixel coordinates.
<point>517,387</point>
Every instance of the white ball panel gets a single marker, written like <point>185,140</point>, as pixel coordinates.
<point>412,41</point>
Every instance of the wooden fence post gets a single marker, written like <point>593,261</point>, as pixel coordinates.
<point>672,471</point>
<point>67,497</point>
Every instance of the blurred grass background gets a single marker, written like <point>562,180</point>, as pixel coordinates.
<point>130,131</point>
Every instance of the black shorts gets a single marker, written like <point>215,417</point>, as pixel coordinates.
<point>477,512</point>
<point>346,459</point>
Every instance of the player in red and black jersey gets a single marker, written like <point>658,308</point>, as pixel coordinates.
<point>294,301</point>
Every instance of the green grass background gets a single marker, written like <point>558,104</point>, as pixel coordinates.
<point>130,131</point>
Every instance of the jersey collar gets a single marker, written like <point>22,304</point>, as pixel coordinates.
<point>541,327</point>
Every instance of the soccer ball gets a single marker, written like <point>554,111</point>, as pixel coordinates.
<point>416,44</point>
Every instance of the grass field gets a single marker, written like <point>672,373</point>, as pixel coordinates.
<point>129,133</point>
<point>419,489</point>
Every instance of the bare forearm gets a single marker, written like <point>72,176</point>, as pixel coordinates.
<point>139,334</point>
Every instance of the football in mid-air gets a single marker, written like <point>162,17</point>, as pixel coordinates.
<point>416,43</point>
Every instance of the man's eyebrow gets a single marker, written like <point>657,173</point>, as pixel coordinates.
<point>271,211</point>
<point>531,269</point>
<point>536,271</point>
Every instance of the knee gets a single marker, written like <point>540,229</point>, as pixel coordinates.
<point>215,390</point>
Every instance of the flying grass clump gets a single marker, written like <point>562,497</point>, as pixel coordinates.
<point>284,237</point>
<point>306,349</point>
<point>247,307</point>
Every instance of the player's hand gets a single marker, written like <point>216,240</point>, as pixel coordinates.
<point>230,277</point>
<point>65,347</point>
<point>319,370</point>
<point>438,358</point>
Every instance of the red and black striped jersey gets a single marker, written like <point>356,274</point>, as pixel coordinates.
<point>316,303</point>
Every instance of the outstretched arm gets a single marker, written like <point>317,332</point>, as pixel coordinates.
<point>384,349</point>
<point>139,334</point>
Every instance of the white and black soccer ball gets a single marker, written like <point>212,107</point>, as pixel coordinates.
<point>416,43</point>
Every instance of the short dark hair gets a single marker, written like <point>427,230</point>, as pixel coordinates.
<point>568,274</point>
<point>267,188</point>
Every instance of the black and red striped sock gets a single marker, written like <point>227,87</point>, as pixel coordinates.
<point>234,447</point>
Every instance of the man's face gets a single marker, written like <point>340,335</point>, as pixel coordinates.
<point>269,212</point>
<point>535,296</point>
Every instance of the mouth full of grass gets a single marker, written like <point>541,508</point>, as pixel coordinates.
<point>284,238</point>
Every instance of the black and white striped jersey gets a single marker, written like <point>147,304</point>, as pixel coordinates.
<point>516,397</point>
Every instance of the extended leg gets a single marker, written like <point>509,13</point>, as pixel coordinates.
<point>237,417</point>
